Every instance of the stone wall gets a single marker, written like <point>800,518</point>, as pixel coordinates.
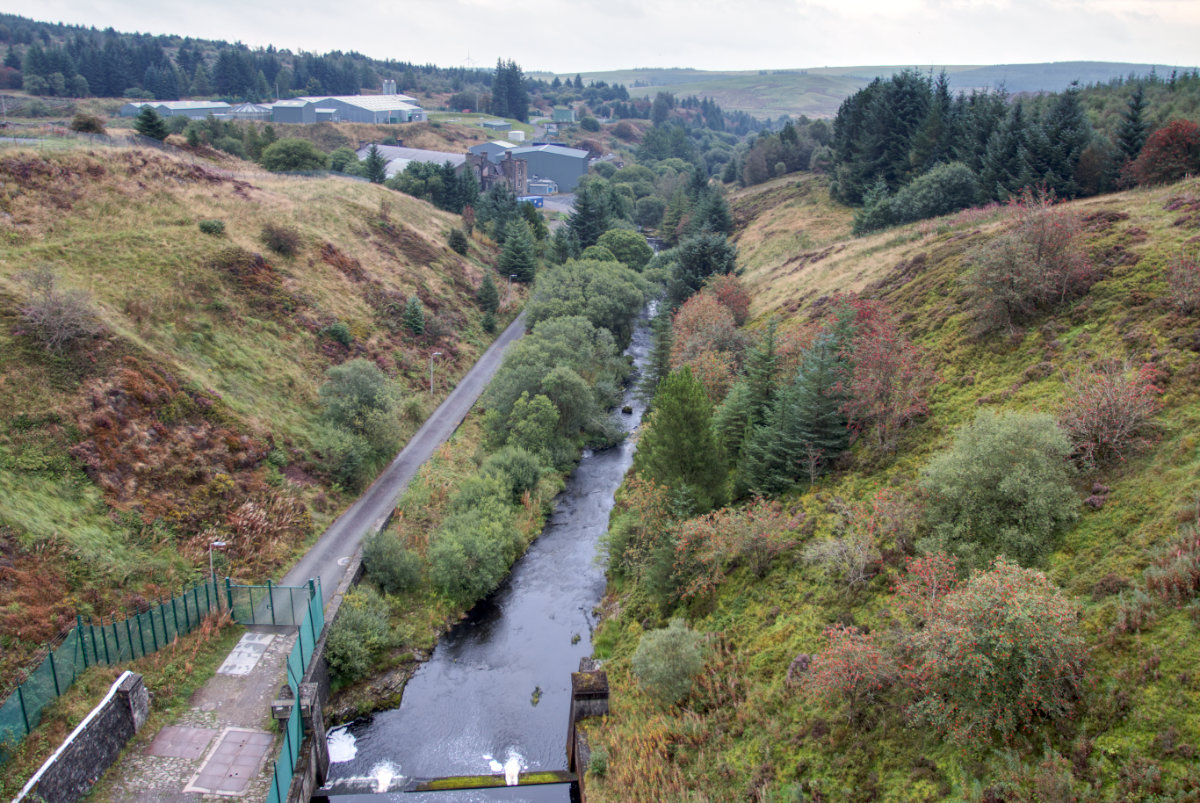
<point>93,746</point>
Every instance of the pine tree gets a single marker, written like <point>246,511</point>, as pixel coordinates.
<point>375,166</point>
<point>148,123</point>
<point>517,259</point>
<point>1002,170</point>
<point>678,448</point>
<point>659,363</point>
<point>804,429</point>
<point>414,316</point>
<point>590,218</point>
<point>488,296</point>
<point>1131,134</point>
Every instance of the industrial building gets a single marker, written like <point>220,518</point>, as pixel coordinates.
<point>399,158</point>
<point>192,109</point>
<point>560,164</point>
<point>369,108</point>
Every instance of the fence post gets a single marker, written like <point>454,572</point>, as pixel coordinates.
<point>54,673</point>
<point>292,605</point>
<point>117,642</point>
<point>196,602</point>
<point>174,615</point>
<point>24,713</point>
<point>187,617</point>
<point>162,610</point>
<point>153,632</point>
<point>271,600</point>
<point>207,602</point>
<point>104,636</point>
<point>141,637</point>
<point>79,625</point>
<point>95,649</point>
<point>229,595</point>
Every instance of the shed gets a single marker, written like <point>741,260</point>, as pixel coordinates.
<point>370,108</point>
<point>496,125</point>
<point>564,115</point>
<point>192,109</point>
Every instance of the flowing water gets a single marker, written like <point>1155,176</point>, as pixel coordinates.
<point>495,695</point>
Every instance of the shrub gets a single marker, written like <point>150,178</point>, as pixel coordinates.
<point>1108,412</point>
<point>668,660</point>
<point>87,124</point>
<point>358,635</point>
<point>1002,488</point>
<point>1035,265</point>
<point>458,241</point>
<point>518,469</point>
<point>291,154</point>
<point>1174,574</point>
<point>852,558</point>
<point>852,668</point>
<point>148,123</point>
<point>1169,154</point>
<point>471,554</point>
<point>598,761</point>
<point>281,238</point>
<point>1003,650</point>
<point>598,253</point>
<point>629,247</point>
<point>414,316</point>
<point>339,333</point>
<point>925,583</point>
<point>353,391</point>
<point>57,318</point>
<point>589,124</point>
<point>944,189</point>
<point>1135,612</point>
<point>216,228</point>
<point>1183,277</point>
<point>729,291</point>
<point>393,567</point>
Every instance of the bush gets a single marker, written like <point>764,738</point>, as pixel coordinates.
<point>358,635</point>
<point>944,189</point>
<point>851,558</point>
<point>339,333</point>
<point>280,238</point>
<point>853,668</point>
<point>1169,154</point>
<point>1002,488</point>
<point>361,431</point>
<point>629,247</point>
<point>471,554</point>
<point>87,124</point>
<point>598,253</point>
<point>1108,411</point>
<point>518,469</point>
<point>458,241</point>
<point>667,661</point>
<point>216,228</point>
<point>1174,574</point>
<point>589,124</point>
<point>1037,264</point>
<point>57,318</point>
<point>293,155</point>
<point>393,567</point>
<point>1183,277</point>
<point>1003,650</point>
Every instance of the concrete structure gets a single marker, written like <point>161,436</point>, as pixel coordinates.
<point>399,158</point>
<point>496,125</point>
<point>564,166</point>
<point>370,108</point>
<point>94,745</point>
<point>294,111</point>
<point>564,116</point>
<point>192,109</point>
<point>516,136</point>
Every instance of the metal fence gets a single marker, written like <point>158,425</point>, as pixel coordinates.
<point>311,627</point>
<point>111,642</point>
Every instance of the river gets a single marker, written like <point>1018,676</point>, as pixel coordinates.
<point>496,690</point>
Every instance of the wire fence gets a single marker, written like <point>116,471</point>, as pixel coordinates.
<point>103,642</point>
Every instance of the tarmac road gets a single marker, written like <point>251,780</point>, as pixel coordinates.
<point>371,510</point>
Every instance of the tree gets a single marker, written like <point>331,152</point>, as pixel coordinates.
<point>605,293</point>
<point>1131,133</point>
<point>414,316</point>
<point>1002,488</point>
<point>293,155</point>
<point>517,259</point>
<point>150,124</point>
<point>57,318</point>
<point>589,219</point>
<point>353,392</point>
<point>1169,154</point>
<point>697,258</point>
<point>852,669</point>
<point>488,297</point>
<point>667,661</point>
<point>1001,651</point>
<point>628,247</point>
<point>1108,410</point>
<point>375,166</point>
<point>678,449</point>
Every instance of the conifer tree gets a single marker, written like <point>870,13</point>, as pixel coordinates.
<point>518,259</point>
<point>488,296</point>
<point>590,218</point>
<point>414,316</point>
<point>150,124</point>
<point>678,448</point>
<point>1131,134</point>
<point>375,166</point>
<point>659,363</point>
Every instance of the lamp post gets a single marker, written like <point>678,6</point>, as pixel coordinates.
<point>431,356</point>
<point>211,547</point>
<point>508,291</point>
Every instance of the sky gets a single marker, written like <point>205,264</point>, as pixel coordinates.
<point>568,36</point>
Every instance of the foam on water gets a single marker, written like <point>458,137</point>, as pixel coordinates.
<point>341,744</point>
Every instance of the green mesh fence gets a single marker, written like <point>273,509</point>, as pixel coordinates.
<point>312,622</point>
<point>92,642</point>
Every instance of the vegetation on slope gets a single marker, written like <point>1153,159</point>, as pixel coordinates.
<point>807,690</point>
<point>189,412</point>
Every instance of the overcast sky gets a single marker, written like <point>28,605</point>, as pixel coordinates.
<point>586,35</point>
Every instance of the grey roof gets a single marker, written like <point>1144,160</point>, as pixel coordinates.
<point>399,158</point>
<point>296,103</point>
<point>184,105</point>
<point>560,150</point>
<point>375,103</point>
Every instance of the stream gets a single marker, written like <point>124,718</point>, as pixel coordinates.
<point>495,694</point>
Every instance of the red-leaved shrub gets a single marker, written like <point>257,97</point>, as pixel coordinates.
<point>1108,411</point>
<point>853,668</point>
<point>1183,277</point>
<point>1170,153</point>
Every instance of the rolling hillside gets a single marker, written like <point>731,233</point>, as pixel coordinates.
<point>188,410</point>
<point>751,728</point>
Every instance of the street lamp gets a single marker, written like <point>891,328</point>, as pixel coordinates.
<point>211,547</point>
<point>508,292</point>
<point>431,356</point>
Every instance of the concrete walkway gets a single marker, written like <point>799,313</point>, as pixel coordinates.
<point>219,748</point>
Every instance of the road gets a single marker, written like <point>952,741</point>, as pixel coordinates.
<point>369,511</point>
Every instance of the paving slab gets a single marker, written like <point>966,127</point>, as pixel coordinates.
<point>233,763</point>
<point>180,741</point>
<point>246,654</point>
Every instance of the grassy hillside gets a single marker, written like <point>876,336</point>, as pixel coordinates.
<point>750,730</point>
<point>191,416</point>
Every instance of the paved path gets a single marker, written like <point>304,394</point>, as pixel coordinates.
<point>167,767</point>
<point>377,503</point>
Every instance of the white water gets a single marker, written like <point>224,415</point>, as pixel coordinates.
<point>341,744</point>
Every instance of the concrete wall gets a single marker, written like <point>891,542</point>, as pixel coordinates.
<point>93,746</point>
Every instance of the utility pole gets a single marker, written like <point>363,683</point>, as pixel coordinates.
<point>431,356</point>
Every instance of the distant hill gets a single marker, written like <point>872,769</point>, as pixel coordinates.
<point>817,92</point>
